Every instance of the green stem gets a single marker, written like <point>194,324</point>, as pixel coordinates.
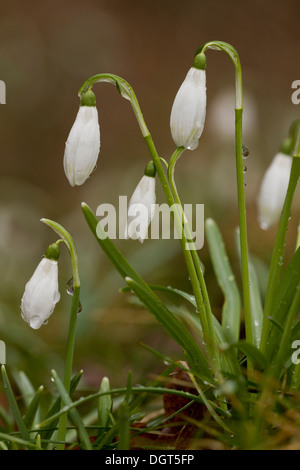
<point>250,336</point>
<point>206,302</point>
<point>278,251</point>
<point>125,91</point>
<point>68,240</point>
<point>69,361</point>
<point>208,330</point>
<point>231,52</point>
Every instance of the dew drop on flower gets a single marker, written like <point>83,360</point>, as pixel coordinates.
<point>244,168</point>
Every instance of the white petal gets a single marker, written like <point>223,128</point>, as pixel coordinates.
<point>41,294</point>
<point>82,146</point>
<point>189,110</point>
<point>273,190</point>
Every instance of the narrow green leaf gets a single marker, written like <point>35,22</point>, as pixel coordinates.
<point>123,426</point>
<point>253,354</point>
<point>33,407</point>
<point>284,350</point>
<point>129,387</point>
<point>286,291</point>
<point>73,412</point>
<point>16,440</point>
<point>231,311</point>
<point>169,321</point>
<point>257,311</point>
<point>25,386</point>
<point>47,433</point>
<point>14,406</point>
<point>174,327</point>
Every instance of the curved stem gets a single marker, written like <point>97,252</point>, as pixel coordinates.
<point>68,240</point>
<point>125,91</point>
<point>231,52</point>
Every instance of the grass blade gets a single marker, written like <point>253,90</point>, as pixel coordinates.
<point>14,406</point>
<point>257,311</point>
<point>73,412</point>
<point>169,321</point>
<point>174,327</point>
<point>47,433</point>
<point>32,409</point>
<point>231,311</point>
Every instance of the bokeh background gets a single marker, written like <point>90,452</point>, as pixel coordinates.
<point>47,50</point>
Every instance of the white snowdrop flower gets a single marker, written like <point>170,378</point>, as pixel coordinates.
<point>273,190</point>
<point>41,291</point>
<point>189,107</point>
<point>141,207</point>
<point>83,144</point>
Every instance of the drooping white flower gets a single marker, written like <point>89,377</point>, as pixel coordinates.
<point>189,109</point>
<point>41,294</point>
<point>273,190</point>
<point>82,146</point>
<point>141,209</point>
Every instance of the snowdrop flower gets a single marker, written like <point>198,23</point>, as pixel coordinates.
<point>142,206</point>
<point>83,144</point>
<point>273,190</point>
<point>41,291</point>
<point>189,107</point>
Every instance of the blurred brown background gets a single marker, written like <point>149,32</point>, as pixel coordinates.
<point>47,50</point>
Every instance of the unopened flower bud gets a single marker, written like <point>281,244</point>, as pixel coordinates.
<point>41,291</point>
<point>189,107</point>
<point>83,144</point>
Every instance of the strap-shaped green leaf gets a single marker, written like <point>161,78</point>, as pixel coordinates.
<point>46,432</point>
<point>253,354</point>
<point>14,406</point>
<point>74,415</point>
<point>257,311</point>
<point>231,311</point>
<point>33,408</point>
<point>174,327</point>
<point>169,321</point>
<point>286,291</point>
